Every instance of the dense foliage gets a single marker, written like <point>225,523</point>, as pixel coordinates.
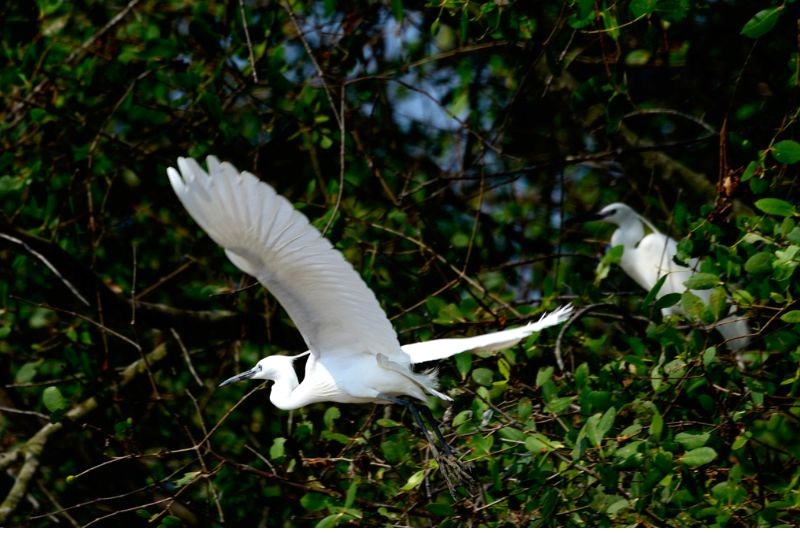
<point>441,146</point>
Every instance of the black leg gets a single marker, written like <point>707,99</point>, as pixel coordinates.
<point>426,412</point>
<point>412,407</point>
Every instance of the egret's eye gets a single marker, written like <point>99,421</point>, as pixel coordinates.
<point>609,213</point>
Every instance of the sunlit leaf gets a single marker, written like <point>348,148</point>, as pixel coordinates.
<point>787,152</point>
<point>52,399</point>
<point>698,457</point>
<point>762,22</point>
<point>775,206</point>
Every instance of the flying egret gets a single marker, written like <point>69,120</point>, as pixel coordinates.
<point>354,355</point>
<point>646,258</point>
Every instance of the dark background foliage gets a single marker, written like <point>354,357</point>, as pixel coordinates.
<point>441,146</point>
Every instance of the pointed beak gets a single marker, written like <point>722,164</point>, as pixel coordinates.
<point>580,219</point>
<point>239,377</point>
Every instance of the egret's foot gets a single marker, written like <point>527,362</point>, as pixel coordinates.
<point>456,473</point>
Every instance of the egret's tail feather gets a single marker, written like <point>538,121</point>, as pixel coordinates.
<point>420,352</point>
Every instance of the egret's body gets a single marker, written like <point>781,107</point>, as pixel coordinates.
<point>354,354</point>
<point>648,257</point>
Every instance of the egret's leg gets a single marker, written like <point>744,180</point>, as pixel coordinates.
<point>426,412</point>
<point>412,407</point>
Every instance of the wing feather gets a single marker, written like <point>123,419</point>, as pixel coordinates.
<point>267,238</point>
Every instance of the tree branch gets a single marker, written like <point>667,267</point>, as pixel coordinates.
<point>33,448</point>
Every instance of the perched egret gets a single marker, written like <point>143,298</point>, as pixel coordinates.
<point>354,355</point>
<point>648,257</point>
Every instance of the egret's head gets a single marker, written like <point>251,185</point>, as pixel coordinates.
<point>271,367</point>
<point>264,369</point>
<point>616,213</point>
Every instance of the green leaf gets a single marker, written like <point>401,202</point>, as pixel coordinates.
<point>692,440</point>
<point>330,416</point>
<point>617,506</point>
<point>277,450</point>
<point>351,494</point>
<point>512,434</point>
<point>440,509</point>
<point>759,263</point>
<point>557,405</point>
<point>637,58</point>
<point>692,305</point>
<point>483,376</point>
<point>397,10</point>
<point>698,457</point>
<point>329,521</point>
<point>702,280</point>
<point>775,206</point>
<point>170,521</point>
<point>718,302</point>
<point>656,426</point>
<point>612,257</point>
<point>544,375</point>
<point>792,317</point>
<point>314,501</point>
<point>53,400</point>
<point>538,443</point>
<point>762,22</point>
<point>751,169</point>
<point>27,372</point>
<point>463,363</point>
<point>786,152</point>
<point>414,481</point>
<point>187,478</point>
<point>673,10</point>
<point>652,293</point>
<point>640,8</point>
<point>606,423</point>
<point>668,300</point>
<point>504,368</point>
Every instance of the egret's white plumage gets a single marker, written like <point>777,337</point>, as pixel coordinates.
<point>355,356</point>
<point>648,257</point>
<point>421,352</point>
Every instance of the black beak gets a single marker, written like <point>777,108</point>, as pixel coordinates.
<point>239,377</point>
<point>580,219</point>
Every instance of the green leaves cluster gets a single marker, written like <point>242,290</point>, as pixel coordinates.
<point>472,130</point>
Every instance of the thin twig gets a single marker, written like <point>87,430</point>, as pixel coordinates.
<point>22,412</point>
<point>83,317</point>
<point>166,278</point>
<point>211,487</point>
<point>133,287</point>
<point>249,43</point>
<point>48,264</point>
<point>186,357</point>
<point>340,192</point>
<point>462,275</point>
<point>317,68</point>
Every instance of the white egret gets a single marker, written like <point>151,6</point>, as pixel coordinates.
<point>648,257</point>
<point>354,355</point>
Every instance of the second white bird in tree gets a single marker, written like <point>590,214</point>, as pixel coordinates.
<point>646,258</point>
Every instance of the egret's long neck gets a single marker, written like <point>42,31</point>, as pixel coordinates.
<point>628,233</point>
<point>286,383</point>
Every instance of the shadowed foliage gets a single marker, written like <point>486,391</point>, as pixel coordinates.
<point>440,146</point>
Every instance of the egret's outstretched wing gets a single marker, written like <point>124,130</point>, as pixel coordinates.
<point>499,340</point>
<point>265,236</point>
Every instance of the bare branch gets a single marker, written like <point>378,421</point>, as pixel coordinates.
<point>32,450</point>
